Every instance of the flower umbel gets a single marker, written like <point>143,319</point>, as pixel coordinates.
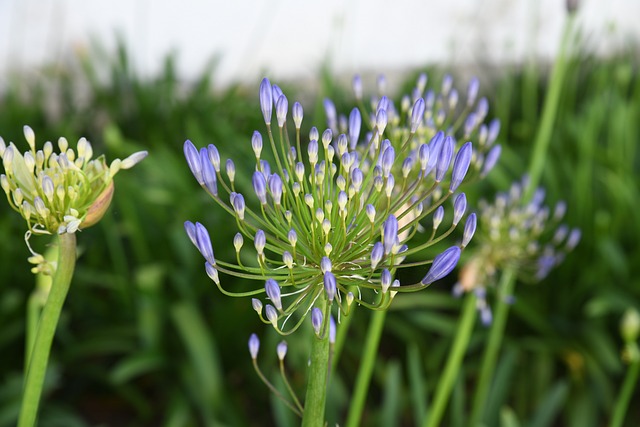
<point>59,192</point>
<point>331,222</point>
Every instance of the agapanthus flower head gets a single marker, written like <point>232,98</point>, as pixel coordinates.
<point>63,191</point>
<point>525,235</point>
<point>335,214</point>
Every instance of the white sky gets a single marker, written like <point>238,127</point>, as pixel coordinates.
<point>292,38</point>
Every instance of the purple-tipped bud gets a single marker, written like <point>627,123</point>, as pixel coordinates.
<point>472,91</point>
<point>444,159</point>
<point>453,99</point>
<point>407,165</point>
<point>238,241</point>
<point>461,166</point>
<point>281,349</point>
<point>257,305</point>
<point>254,346</point>
<point>231,170</point>
<point>376,254</point>
<point>214,157</point>
<point>494,130</point>
<point>486,317</point>
<point>330,111</point>
<point>469,229</point>
<point>442,265</point>
<point>482,109</point>
<point>385,280</point>
<point>357,87</point>
<point>292,236</point>
<point>389,233</point>
<point>256,143</point>
<point>330,286</point>
<point>325,264</point>
<point>491,159</point>
<point>447,83</point>
<point>237,201</point>
<point>316,319</point>
<point>423,156</point>
<point>259,241</point>
<point>388,158</point>
<point>438,215</point>
<point>209,179</point>
<point>193,160</point>
<point>383,104</point>
<point>265,168</point>
<point>266,100</point>
<point>277,92</point>
<point>459,207</point>
<point>332,330</point>
<point>212,272</point>
<point>381,121</point>
<point>559,210</point>
<point>287,259</point>
<point>389,185</point>
<point>573,239</point>
<point>190,228</point>
<point>204,243</point>
<point>470,124</point>
<point>417,114</point>
<point>435,147</point>
<point>355,123</point>
<point>271,314</point>
<point>282,106</point>
<point>327,136</point>
<point>273,292</point>
<point>312,151</point>
<point>260,187</point>
<point>371,212</point>
<point>275,186</point>
<point>297,113</point>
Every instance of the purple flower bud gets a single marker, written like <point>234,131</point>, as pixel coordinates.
<point>254,346</point>
<point>423,156</point>
<point>459,207</point>
<point>438,215</point>
<point>238,241</point>
<point>330,285</point>
<point>287,259</point>
<point>260,187</point>
<point>259,241</point>
<point>273,292</point>
<point>256,143</point>
<point>485,315</point>
<point>472,91</point>
<point>417,114</point>
<point>381,121</point>
<point>277,92</point>
<point>316,319</point>
<point>444,159</point>
<point>212,272</point>
<point>494,130</point>
<point>330,111</point>
<point>435,147</point>
<point>389,233</point>
<point>482,109</point>
<point>442,265</point>
<point>272,314</point>
<point>231,170</point>
<point>209,179</point>
<point>292,237</point>
<point>357,87</point>
<point>388,157</point>
<point>266,100</point>
<point>190,228</point>
<point>429,99</point>
<point>193,160</point>
<point>560,210</point>
<point>573,239</point>
<point>469,229</point>
<point>389,185</point>
<point>281,349</point>
<point>560,234</point>
<point>265,168</point>
<point>275,186</point>
<point>376,254</point>
<point>355,123</point>
<point>447,83</point>
<point>325,264</point>
<point>453,99</point>
<point>237,201</point>
<point>332,330</point>
<point>470,124</point>
<point>490,160</point>
<point>371,212</point>
<point>357,177</point>
<point>327,136</point>
<point>297,113</point>
<point>383,104</point>
<point>312,151</point>
<point>385,280</point>
<point>214,157</point>
<point>407,165</point>
<point>282,106</point>
<point>204,243</point>
<point>257,305</point>
<point>461,166</point>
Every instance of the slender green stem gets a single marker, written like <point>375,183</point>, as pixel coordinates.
<point>454,361</point>
<point>316,396</point>
<point>363,379</point>
<point>46,330</point>
<point>622,402</point>
<point>490,357</point>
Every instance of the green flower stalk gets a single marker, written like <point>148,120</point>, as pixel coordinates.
<point>57,194</point>
<point>331,224</point>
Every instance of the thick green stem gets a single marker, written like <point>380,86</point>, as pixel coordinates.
<point>363,379</point>
<point>505,289</point>
<point>452,369</point>
<point>46,330</point>
<point>316,396</point>
<point>622,402</point>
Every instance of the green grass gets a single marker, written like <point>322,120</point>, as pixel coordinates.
<point>145,339</point>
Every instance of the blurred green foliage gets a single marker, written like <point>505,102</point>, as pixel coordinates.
<point>145,339</point>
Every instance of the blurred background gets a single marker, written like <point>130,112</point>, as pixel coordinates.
<point>146,340</point>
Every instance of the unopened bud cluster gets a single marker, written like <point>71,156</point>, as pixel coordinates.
<point>59,192</point>
<point>331,217</point>
<point>523,235</point>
